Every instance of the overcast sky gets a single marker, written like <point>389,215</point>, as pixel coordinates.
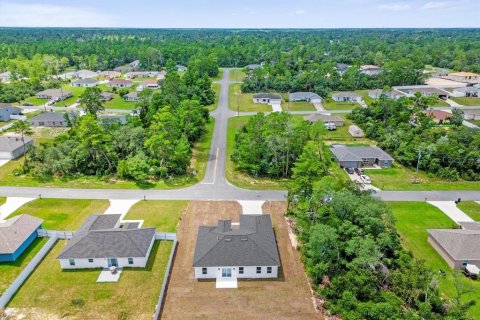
<point>241,14</point>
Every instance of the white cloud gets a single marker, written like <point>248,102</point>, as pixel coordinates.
<point>45,15</point>
<point>434,5</point>
<point>397,6</point>
<point>300,12</point>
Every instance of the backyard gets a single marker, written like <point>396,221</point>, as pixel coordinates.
<point>467,101</point>
<point>245,101</point>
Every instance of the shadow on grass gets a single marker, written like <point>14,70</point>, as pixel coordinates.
<point>33,247</point>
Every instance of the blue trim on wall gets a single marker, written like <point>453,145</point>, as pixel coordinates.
<point>14,256</point>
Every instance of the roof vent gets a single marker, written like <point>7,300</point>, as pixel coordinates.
<point>244,239</point>
<point>228,239</point>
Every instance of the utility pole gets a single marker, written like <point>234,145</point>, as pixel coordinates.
<point>418,164</point>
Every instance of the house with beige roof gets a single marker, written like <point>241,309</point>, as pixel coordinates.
<point>462,76</point>
<point>16,234</point>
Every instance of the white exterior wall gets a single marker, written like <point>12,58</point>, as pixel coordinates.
<point>248,273</point>
<point>6,155</point>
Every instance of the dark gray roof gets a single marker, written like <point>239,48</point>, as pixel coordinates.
<point>344,153</point>
<point>55,93</point>
<point>345,94</point>
<point>252,244</point>
<point>303,96</point>
<point>86,81</point>
<point>100,237</point>
<point>49,116</point>
<point>342,66</point>
<point>267,96</point>
<point>131,95</point>
<point>10,144</point>
<point>14,232</point>
<point>460,244</point>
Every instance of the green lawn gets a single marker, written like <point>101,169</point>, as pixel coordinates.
<point>245,101</point>
<point>440,103</point>
<point>63,214</point>
<point>216,88</point>
<point>472,209</point>
<point>467,101</point>
<point>163,215</point>
<point>50,293</point>
<point>118,102</point>
<point>401,178</point>
<point>241,179</point>
<point>237,74</point>
<point>77,92</point>
<point>297,106</point>
<point>35,101</point>
<point>2,200</point>
<point>329,104</point>
<point>413,219</point>
<point>219,75</point>
<point>475,122</point>
<point>10,270</point>
<point>364,93</point>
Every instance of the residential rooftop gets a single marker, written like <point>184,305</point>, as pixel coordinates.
<point>14,232</point>
<point>9,143</point>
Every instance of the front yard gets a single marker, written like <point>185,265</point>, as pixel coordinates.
<point>163,215</point>
<point>297,106</point>
<point>237,74</point>
<point>466,101</point>
<point>329,104</point>
<point>471,208</point>
<point>245,101</point>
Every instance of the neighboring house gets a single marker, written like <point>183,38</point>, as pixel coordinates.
<point>425,91</point>
<point>304,96</point>
<point>100,242</point>
<point>119,83</point>
<point>108,120</point>
<point>16,234</point>
<point>355,131</point>
<point>341,68</point>
<point>7,110</point>
<point>458,247</point>
<point>439,73</point>
<point>85,74</point>
<point>357,157</point>
<point>371,70</point>
<point>391,94</point>
<point>466,92</point>
<point>135,64</point>
<point>132,66</point>
<point>12,147</point>
<point>110,74</point>
<point>49,119</point>
<point>468,77</point>
<point>253,66</point>
<point>337,121</point>
<point>5,76</point>
<point>131,96</point>
<point>245,251</point>
<point>161,75</point>
<point>181,68</point>
<point>148,84</point>
<point>106,96</point>
<point>267,98</point>
<point>86,83</point>
<point>438,116</point>
<point>346,96</point>
<point>471,114</point>
<point>141,74</point>
<point>54,94</point>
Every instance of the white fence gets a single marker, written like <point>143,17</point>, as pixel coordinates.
<point>58,234</point>
<point>18,117</point>
<point>166,236</point>
<point>166,278</point>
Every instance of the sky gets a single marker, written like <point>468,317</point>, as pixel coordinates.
<point>242,14</point>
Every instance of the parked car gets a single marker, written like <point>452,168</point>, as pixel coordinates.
<point>471,271</point>
<point>349,170</point>
<point>365,179</point>
<point>358,171</point>
<point>27,104</point>
<point>330,126</point>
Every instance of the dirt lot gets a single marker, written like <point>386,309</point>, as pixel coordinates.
<point>287,297</point>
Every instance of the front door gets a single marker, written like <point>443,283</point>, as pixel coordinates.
<point>112,262</point>
<point>226,272</point>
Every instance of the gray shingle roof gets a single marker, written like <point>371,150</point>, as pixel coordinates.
<point>55,93</point>
<point>460,244</point>
<point>85,81</point>
<point>343,153</point>
<point>49,116</point>
<point>303,96</point>
<point>267,96</point>
<point>14,231</point>
<point>253,244</point>
<point>9,144</point>
<point>100,237</point>
<point>345,94</point>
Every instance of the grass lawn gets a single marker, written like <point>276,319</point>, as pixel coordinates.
<point>35,101</point>
<point>241,179</point>
<point>118,102</point>
<point>245,101</point>
<point>198,164</point>
<point>440,103</point>
<point>297,106</point>
<point>471,208</point>
<point>2,200</point>
<point>77,92</point>
<point>329,104</point>
<point>465,101</point>
<point>475,122</point>
<point>63,214</point>
<point>219,75</point>
<point>163,215</point>
<point>364,93</point>
<point>10,270</point>
<point>413,220</point>
<point>341,135</point>
<point>237,74</point>
<point>52,293</point>
<point>401,178</point>
<point>216,88</point>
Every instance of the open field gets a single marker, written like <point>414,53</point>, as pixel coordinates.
<point>287,297</point>
<point>163,215</point>
<point>472,209</point>
<point>329,104</point>
<point>401,178</point>
<point>413,219</point>
<point>241,179</point>
<point>237,74</point>
<point>341,135</point>
<point>10,270</point>
<point>245,101</point>
<point>216,89</point>
<point>63,214</point>
<point>50,293</point>
<point>467,101</point>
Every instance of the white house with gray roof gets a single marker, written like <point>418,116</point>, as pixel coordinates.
<point>101,242</point>
<point>12,147</point>
<point>248,250</point>
<point>85,83</point>
<point>267,98</point>
<point>357,157</point>
<point>305,96</point>
<point>49,119</point>
<point>346,96</point>
<point>7,110</point>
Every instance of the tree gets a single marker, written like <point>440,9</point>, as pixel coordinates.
<point>457,117</point>
<point>23,128</point>
<point>91,101</point>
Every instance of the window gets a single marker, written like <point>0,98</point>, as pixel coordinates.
<point>90,260</point>
<point>130,260</point>
<point>269,269</point>
<point>259,269</point>
<point>204,271</point>
<point>240,270</point>
<point>71,261</point>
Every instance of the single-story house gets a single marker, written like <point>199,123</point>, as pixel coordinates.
<point>337,121</point>
<point>392,94</point>
<point>131,96</point>
<point>341,68</point>
<point>305,96</point>
<point>85,74</point>
<point>245,251</point>
<point>439,116</point>
<point>7,110</point>
<point>141,74</point>
<point>425,91</point>
<point>86,83</point>
<point>101,243</point>
<point>123,69</point>
<point>49,119</point>
<point>119,83</point>
<point>355,131</point>
<point>469,77</point>
<point>135,64</point>
<point>16,234</point>
<point>54,94</point>
<point>161,75</point>
<point>12,147</point>
<point>267,98</point>
<point>357,157</point>
<point>371,70</point>
<point>253,66</point>
<point>106,96</point>
<point>5,76</point>
<point>148,84</point>
<point>346,96</point>
<point>466,92</point>
<point>110,74</point>
<point>181,68</point>
<point>458,247</point>
<point>471,114</point>
<point>108,120</point>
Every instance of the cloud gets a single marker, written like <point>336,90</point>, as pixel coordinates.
<point>300,12</point>
<point>397,6</point>
<point>47,15</point>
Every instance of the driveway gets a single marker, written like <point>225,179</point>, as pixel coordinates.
<point>3,161</point>
<point>276,107</point>
<point>11,205</point>
<point>451,210</point>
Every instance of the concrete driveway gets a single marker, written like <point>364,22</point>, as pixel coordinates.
<point>11,205</point>
<point>451,210</point>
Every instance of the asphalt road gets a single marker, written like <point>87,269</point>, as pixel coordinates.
<point>215,186</point>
